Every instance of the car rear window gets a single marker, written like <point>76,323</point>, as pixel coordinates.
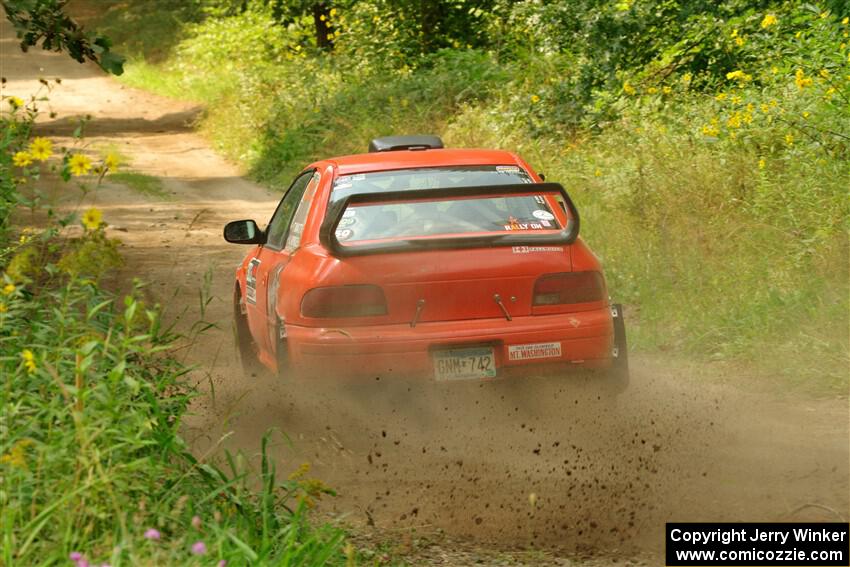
<point>443,217</point>
<point>432,178</point>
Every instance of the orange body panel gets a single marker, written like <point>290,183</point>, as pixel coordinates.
<point>456,289</point>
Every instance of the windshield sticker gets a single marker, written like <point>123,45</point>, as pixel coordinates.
<point>533,249</point>
<point>543,215</point>
<point>344,234</point>
<point>539,199</point>
<point>545,223</point>
<point>513,224</point>
<point>349,213</point>
<point>507,169</point>
<point>344,222</point>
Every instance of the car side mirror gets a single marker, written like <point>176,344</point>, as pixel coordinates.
<point>243,232</point>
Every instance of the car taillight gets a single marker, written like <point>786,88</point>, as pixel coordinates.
<point>344,301</point>
<point>570,287</point>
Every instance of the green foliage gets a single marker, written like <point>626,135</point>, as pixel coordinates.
<point>45,21</point>
<point>91,457</point>
<point>91,256</point>
<point>140,183</point>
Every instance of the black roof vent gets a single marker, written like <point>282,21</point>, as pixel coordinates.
<point>395,143</point>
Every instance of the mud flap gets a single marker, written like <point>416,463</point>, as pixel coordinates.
<point>281,349</point>
<point>618,374</point>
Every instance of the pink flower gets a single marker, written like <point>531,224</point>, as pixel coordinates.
<point>196,522</point>
<point>75,556</point>
<point>222,563</point>
<point>152,534</point>
<point>199,548</point>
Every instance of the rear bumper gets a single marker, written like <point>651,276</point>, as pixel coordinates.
<point>584,339</point>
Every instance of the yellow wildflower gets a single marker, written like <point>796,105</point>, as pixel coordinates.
<point>806,114</point>
<point>92,219</point>
<point>774,69</point>
<point>734,121</point>
<point>111,162</point>
<point>41,148</point>
<point>597,173</point>
<point>15,102</point>
<point>667,90</point>
<point>739,41</point>
<point>769,20</point>
<point>789,139</point>
<point>720,97</point>
<point>535,99</point>
<point>801,80</point>
<point>734,33</point>
<point>845,21</point>
<point>79,164</point>
<point>710,130</point>
<point>739,75</point>
<point>3,307</point>
<point>9,289</point>
<point>764,108</point>
<point>322,18</point>
<point>332,13</point>
<point>798,34</point>
<point>651,90</point>
<point>824,15</point>
<point>686,78</point>
<point>16,456</point>
<point>762,163</point>
<point>824,73</point>
<point>628,89</point>
<point>22,159</point>
<point>748,118</point>
<point>29,360</point>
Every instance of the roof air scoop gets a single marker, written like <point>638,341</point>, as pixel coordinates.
<point>397,143</point>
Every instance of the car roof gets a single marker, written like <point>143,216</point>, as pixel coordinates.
<point>404,159</point>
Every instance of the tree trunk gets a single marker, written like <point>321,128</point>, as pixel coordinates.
<point>324,30</point>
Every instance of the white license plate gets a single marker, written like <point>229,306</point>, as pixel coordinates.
<point>464,364</point>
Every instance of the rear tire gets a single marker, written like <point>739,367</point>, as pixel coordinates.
<point>245,344</point>
<point>617,377</point>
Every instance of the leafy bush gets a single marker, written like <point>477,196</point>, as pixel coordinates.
<point>92,464</point>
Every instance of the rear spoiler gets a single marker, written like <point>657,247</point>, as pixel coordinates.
<point>341,199</point>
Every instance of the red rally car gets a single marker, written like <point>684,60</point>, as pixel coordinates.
<point>417,260</point>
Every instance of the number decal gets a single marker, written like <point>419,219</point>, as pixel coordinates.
<point>251,281</point>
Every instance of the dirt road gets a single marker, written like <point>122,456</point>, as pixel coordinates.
<point>533,463</point>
